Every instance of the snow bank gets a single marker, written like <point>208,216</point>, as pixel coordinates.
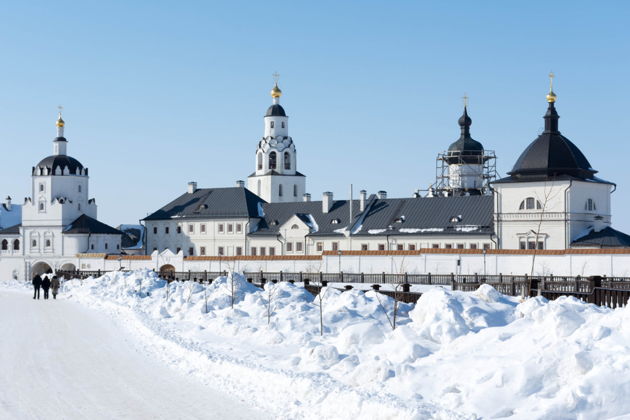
<point>452,355</point>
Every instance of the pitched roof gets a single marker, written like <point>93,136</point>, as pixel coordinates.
<point>429,215</point>
<point>211,203</point>
<point>471,215</point>
<point>605,238</point>
<point>86,224</point>
<point>12,230</point>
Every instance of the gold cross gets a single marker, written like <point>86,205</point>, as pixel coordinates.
<point>551,76</point>
<point>465,98</point>
<point>276,77</point>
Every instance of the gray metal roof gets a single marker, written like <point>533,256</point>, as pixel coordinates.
<point>460,215</point>
<point>12,230</point>
<point>87,224</point>
<point>211,203</point>
<point>472,215</point>
<point>605,238</point>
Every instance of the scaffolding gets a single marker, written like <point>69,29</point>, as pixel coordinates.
<point>442,186</point>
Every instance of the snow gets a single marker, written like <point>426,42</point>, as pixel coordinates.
<point>452,355</point>
<point>467,228</point>
<point>420,230</point>
<point>313,224</point>
<point>376,231</point>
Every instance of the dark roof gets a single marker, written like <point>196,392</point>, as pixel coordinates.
<point>605,238</point>
<point>275,110</point>
<point>86,224</point>
<point>465,148</point>
<point>277,214</point>
<point>133,236</point>
<point>405,216</point>
<point>59,161</point>
<point>12,230</point>
<point>430,215</point>
<point>211,203</point>
<point>551,156</point>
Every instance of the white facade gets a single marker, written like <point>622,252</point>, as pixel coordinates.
<point>276,179</point>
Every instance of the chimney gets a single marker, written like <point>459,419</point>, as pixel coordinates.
<point>7,203</point>
<point>382,195</point>
<point>240,184</point>
<point>192,187</point>
<point>306,197</point>
<point>362,199</point>
<point>327,201</point>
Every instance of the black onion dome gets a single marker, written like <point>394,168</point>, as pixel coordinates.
<point>552,154</point>
<point>51,163</point>
<point>465,149</point>
<point>275,110</point>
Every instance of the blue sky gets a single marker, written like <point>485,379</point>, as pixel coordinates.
<point>157,94</point>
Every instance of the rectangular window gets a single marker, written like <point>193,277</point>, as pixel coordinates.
<point>34,243</point>
<point>262,251</point>
<point>448,246</point>
<point>155,230</point>
<point>202,250</point>
<point>166,230</point>
<point>522,245</point>
<point>460,246</point>
<point>202,228</point>
<point>221,227</point>
<point>191,228</point>
<point>272,250</point>
<point>531,244</point>
<point>541,245</point>
<point>320,246</point>
<point>486,246</point>
<point>298,246</point>
<point>253,251</point>
<point>191,251</point>
<point>289,246</point>
<point>411,247</point>
<point>230,228</point>
<point>400,247</point>
<point>473,246</point>
<point>221,251</point>
<point>179,229</point>
<point>381,247</point>
<point>435,246</point>
<point>335,246</point>
<point>364,247</point>
<point>239,250</point>
<point>239,228</point>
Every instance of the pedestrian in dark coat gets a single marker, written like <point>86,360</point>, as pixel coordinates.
<point>37,283</point>
<point>54,286</point>
<point>46,286</point>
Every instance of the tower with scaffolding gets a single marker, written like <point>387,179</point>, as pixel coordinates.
<point>466,168</point>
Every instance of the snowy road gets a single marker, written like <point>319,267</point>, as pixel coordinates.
<point>59,360</point>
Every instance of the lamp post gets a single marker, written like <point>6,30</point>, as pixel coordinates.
<point>484,264</point>
<point>339,262</point>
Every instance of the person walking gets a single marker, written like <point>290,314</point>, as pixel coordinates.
<point>46,286</point>
<point>37,283</point>
<point>54,286</point>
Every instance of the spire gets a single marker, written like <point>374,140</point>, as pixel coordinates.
<point>551,116</point>
<point>465,121</point>
<point>276,93</point>
<point>60,122</point>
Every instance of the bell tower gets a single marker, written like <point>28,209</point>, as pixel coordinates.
<point>276,179</point>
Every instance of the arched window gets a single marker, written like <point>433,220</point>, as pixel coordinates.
<point>41,206</point>
<point>16,244</point>
<point>294,190</point>
<point>530,203</point>
<point>590,205</point>
<point>282,124</point>
<point>295,227</point>
<point>271,124</point>
<point>272,160</point>
<point>280,190</point>
<point>41,187</point>
<point>260,161</point>
<point>5,244</point>
<point>79,188</point>
<point>287,160</point>
<point>47,243</point>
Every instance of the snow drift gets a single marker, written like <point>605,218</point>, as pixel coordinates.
<point>452,355</point>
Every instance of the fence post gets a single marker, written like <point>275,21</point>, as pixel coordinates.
<point>383,277</point>
<point>500,277</point>
<point>429,277</point>
<point>476,278</point>
<point>280,275</point>
<point>300,276</point>
<point>205,275</point>
<point>321,277</point>
<point>512,286</point>
<point>406,278</point>
<point>341,274</point>
<point>453,281</point>
<point>362,278</point>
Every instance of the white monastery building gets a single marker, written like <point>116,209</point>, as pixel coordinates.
<point>550,200</point>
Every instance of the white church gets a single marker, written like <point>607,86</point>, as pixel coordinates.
<point>550,200</point>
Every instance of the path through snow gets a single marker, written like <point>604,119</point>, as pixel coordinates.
<point>60,360</point>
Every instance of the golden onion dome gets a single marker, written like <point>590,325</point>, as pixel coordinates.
<point>60,121</point>
<point>551,97</point>
<point>276,92</point>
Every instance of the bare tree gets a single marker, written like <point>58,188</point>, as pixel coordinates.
<point>397,297</point>
<point>271,290</point>
<point>548,194</point>
<point>320,297</point>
